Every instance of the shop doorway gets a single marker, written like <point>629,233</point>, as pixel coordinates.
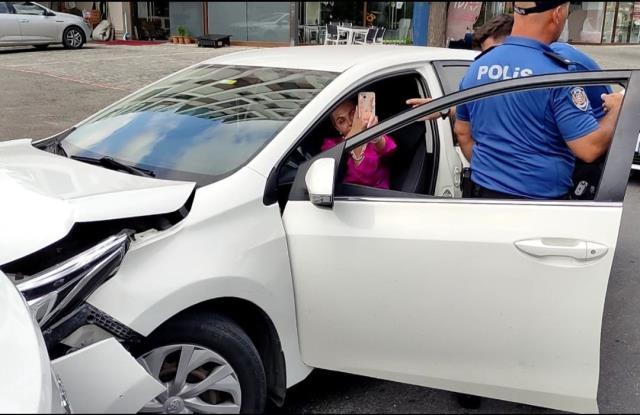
<point>150,20</point>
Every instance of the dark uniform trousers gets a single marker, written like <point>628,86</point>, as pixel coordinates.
<point>484,193</point>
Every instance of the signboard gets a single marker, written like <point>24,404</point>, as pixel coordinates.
<point>461,17</point>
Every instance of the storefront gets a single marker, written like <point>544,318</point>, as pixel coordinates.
<point>394,16</point>
<point>283,22</point>
<point>590,22</point>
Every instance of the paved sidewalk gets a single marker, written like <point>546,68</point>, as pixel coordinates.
<point>614,57</point>
<point>65,86</point>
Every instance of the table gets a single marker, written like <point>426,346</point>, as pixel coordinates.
<point>215,40</point>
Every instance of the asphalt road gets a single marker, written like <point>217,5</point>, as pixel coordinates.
<point>44,92</point>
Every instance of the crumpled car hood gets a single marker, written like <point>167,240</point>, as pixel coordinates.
<point>43,195</point>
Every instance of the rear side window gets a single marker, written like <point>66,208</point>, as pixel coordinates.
<point>28,8</point>
<point>3,8</point>
<point>450,73</point>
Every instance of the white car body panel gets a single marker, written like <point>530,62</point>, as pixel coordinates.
<point>480,327</point>
<point>9,29</point>
<point>450,164</point>
<point>219,250</point>
<point>26,370</point>
<point>105,378</point>
<point>71,191</point>
<point>40,28</point>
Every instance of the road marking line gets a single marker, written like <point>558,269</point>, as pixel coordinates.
<point>125,57</point>
<point>79,81</point>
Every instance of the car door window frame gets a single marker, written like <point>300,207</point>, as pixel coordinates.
<point>613,182</point>
<point>440,68</point>
<point>271,189</point>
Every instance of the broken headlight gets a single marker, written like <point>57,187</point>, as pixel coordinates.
<point>57,290</point>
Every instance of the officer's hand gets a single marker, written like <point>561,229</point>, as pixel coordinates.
<point>416,102</point>
<point>611,102</point>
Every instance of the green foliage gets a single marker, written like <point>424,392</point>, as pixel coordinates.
<point>405,41</point>
<point>182,31</point>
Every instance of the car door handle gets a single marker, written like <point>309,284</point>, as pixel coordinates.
<point>573,248</point>
<point>24,21</point>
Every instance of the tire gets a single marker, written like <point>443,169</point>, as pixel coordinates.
<point>73,38</point>
<point>41,47</point>
<point>221,349</point>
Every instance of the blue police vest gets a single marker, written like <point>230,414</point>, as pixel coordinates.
<point>520,138</point>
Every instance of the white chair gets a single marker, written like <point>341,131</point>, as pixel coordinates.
<point>332,36</point>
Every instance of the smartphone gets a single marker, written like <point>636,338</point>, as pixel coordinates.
<point>366,105</point>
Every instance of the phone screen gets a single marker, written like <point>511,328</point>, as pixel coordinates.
<point>366,105</point>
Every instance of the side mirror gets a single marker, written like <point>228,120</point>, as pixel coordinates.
<point>48,13</point>
<point>319,181</point>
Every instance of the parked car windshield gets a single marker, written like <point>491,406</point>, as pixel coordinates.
<point>201,124</point>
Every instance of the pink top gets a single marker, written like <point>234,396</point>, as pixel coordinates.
<point>372,171</point>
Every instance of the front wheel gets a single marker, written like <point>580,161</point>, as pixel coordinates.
<point>72,38</point>
<point>208,365</point>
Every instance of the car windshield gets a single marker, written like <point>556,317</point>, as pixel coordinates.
<point>201,124</point>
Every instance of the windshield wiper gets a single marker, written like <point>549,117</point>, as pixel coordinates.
<point>110,163</point>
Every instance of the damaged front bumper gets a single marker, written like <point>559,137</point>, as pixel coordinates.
<point>88,348</point>
<point>105,378</point>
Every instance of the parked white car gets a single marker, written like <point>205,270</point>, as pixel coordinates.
<point>198,222</point>
<point>30,23</point>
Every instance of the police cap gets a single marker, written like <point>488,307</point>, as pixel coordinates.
<point>540,6</point>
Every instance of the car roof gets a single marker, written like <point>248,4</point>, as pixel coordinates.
<point>333,58</point>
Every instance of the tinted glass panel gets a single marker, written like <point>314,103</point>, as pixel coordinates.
<point>201,124</point>
<point>28,8</point>
<point>3,8</point>
<point>450,75</point>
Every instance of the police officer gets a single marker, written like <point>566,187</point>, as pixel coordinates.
<point>523,145</point>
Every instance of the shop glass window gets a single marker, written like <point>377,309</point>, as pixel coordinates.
<point>585,21</point>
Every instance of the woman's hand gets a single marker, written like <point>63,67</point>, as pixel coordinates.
<point>357,125</point>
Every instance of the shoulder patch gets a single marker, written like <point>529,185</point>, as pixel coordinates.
<point>579,98</point>
<point>485,52</point>
<point>557,58</point>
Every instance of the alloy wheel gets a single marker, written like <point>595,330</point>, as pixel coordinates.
<point>196,379</point>
<point>74,38</point>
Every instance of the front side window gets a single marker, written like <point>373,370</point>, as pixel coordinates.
<point>3,8</point>
<point>200,124</point>
<point>28,8</point>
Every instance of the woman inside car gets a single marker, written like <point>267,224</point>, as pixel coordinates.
<point>366,164</point>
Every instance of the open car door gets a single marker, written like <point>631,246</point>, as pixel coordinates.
<point>498,298</point>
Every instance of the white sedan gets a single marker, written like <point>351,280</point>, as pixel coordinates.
<point>199,222</point>
<point>29,23</point>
